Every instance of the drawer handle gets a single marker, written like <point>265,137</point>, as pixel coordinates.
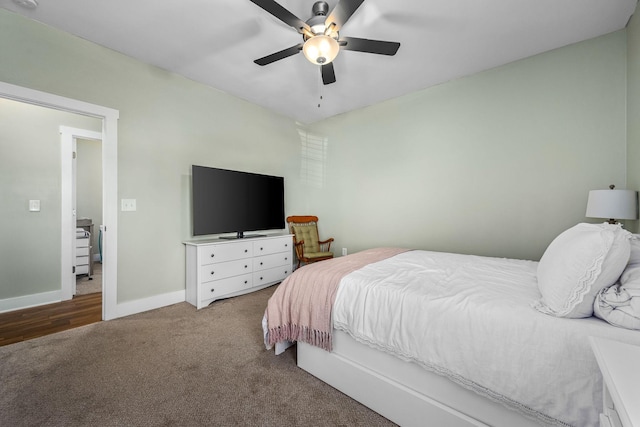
<point>261,278</point>
<point>213,289</point>
<point>260,263</point>
<point>212,255</point>
<point>212,272</point>
<point>260,248</point>
<point>286,245</point>
<point>245,282</point>
<point>245,266</point>
<point>285,258</point>
<point>285,272</point>
<point>245,251</point>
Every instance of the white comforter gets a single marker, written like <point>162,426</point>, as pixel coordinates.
<point>470,319</point>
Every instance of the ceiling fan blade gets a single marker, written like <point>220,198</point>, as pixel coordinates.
<point>285,53</point>
<point>370,46</point>
<point>282,14</point>
<point>328,75</point>
<point>342,12</point>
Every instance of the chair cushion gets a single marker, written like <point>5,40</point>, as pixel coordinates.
<point>313,255</point>
<point>308,233</point>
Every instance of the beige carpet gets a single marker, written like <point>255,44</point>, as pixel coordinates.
<point>89,285</point>
<point>173,366</point>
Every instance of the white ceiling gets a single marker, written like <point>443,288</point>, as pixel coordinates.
<point>216,41</point>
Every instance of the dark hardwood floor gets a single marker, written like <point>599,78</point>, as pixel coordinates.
<point>22,325</point>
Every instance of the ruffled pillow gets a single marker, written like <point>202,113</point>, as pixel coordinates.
<point>620,304</point>
<point>577,265</point>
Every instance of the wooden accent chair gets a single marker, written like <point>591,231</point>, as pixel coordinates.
<point>309,247</point>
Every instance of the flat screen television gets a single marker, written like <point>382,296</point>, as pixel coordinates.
<point>226,201</point>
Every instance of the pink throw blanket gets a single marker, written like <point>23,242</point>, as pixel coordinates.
<point>300,309</point>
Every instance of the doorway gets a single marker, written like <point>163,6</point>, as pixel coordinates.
<point>109,119</point>
<point>81,212</point>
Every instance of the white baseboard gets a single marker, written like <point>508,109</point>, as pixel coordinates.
<point>122,309</point>
<point>26,301</point>
<point>151,303</point>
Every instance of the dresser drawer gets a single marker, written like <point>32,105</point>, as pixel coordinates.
<point>226,252</point>
<point>271,275</point>
<point>82,260</point>
<point>272,246</point>
<point>82,269</point>
<point>82,242</point>
<point>225,269</point>
<point>82,251</point>
<point>219,288</point>
<point>271,261</point>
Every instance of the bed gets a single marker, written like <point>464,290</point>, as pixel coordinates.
<point>447,339</point>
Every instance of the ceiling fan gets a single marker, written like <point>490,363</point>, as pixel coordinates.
<point>320,34</point>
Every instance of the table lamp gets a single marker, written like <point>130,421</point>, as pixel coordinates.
<point>612,204</point>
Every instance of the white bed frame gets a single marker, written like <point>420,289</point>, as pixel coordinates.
<point>403,392</point>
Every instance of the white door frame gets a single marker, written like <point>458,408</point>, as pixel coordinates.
<point>68,137</point>
<point>109,177</point>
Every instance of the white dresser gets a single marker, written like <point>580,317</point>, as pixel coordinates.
<point>220,268</point>
<point>618,363</point>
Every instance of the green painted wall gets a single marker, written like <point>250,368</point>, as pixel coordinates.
<point>497,163</point>
<point>30,242</point>
<point>167,123</point>
<point>494,164</point>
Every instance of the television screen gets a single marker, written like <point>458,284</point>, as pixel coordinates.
<point>226,201</point>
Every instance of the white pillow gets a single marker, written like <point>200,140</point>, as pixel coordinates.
<point>634,257</point>
<point>577,265</point>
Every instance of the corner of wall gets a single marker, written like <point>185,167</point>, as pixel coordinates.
<point>633,108</point>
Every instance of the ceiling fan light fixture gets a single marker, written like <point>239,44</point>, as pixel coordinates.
<point>321,49</point>
<point>29,4</point>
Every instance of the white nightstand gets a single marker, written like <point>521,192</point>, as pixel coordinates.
<point>620,367</point>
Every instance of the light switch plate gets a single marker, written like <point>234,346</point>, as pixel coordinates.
<point>34,205</point>
<point>128,205</point>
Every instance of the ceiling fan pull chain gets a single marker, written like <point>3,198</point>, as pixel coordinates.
<point>320,88</point>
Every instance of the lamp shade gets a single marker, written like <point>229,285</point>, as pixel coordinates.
<point>321,49</point>
<point>613,204</point>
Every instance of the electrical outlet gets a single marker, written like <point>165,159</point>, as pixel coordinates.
<point>344,251</point>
